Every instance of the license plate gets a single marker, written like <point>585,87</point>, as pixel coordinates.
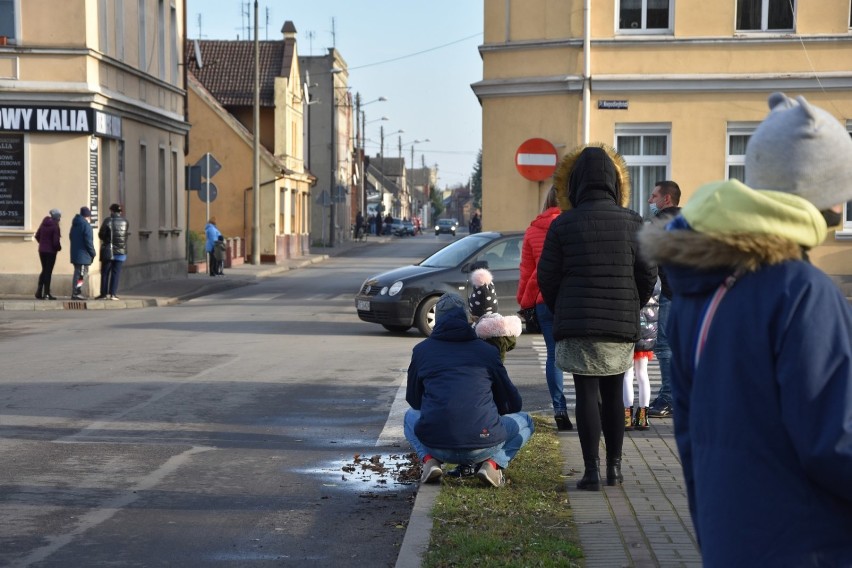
<point>364,305</point>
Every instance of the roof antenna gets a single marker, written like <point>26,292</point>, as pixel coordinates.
<point>333,34</point>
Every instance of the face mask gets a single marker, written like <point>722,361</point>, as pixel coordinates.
<point>654,209</point>
<point>832,218</point>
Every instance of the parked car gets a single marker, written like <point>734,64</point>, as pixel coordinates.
<point>446,226</point>
<point>402,227</point>
<point>405,297</point>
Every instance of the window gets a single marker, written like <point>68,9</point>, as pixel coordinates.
<point>644,15</point>
<point>103,26</point>
<point>646,151</point>
<point>161,184</point>
<point>161,39</point>
<point>174,189</point>
<point>7,19</point>
<point>765,15</point>
<point>846,230</point>
<point>143,44</point>
<point>143,186</point>
<point>173,44</point>
<point>119,29</point>
<point>738,137</point>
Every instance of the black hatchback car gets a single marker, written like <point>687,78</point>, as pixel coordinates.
<point>406,297</point>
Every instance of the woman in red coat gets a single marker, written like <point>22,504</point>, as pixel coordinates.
<point>529,296</point>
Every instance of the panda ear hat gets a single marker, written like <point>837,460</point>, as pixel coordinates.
<point>483,297</point>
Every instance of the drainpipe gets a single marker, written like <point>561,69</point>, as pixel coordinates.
<point>587,69</point>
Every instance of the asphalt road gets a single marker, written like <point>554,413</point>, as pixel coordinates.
<point>219,432</point>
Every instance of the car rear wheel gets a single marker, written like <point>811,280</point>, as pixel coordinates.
<point>425,318</point>
<point>396,328</point>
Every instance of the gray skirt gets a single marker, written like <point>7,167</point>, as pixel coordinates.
<point>594,356</point>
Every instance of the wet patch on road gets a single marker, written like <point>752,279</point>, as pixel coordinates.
<point>373,472</point>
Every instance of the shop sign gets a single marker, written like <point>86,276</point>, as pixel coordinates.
<point>60,120</point>
<point>12,181</point>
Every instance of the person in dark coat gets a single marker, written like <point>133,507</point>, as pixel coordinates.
<point>762,350</point>
<point>464,407</point>
<point>594,282</point>
<point>48,237</point>
<point>82,250</point>
<point>664,201</point>
<point>113,235</point>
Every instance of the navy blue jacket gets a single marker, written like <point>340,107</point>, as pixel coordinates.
<point>460,387</point>
<point>81,236</point>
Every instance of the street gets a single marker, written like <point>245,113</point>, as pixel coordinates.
<point>223,431</point>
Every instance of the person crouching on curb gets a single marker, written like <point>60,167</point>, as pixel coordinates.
<point>464,407</point>
<point>500,331</point>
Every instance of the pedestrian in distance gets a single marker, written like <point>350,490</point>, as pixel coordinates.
<point>113,236</point>
<point>475,225</point>
<point>500,331</point>
<point>359,226</point>
<point>387,224</point>
<point>529,296</point>
<point>762,349</point>
<point>464,407</point>
<point>220,251</point>
<point>83,251</point>
<point>212,232</point>
<point>642,354</point>
<point>48,237</point>
<point>594,282</point>
<point>664,201</point>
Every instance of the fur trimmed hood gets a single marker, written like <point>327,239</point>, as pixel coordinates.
<point>727,225</point>
<point>566,195</point>
<point>496,325</point>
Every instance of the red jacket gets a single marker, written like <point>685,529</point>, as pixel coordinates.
<point>528,292</point>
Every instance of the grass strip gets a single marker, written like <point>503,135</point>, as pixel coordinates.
<point>526,523</point>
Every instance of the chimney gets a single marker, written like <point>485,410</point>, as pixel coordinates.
<point>289,30</point>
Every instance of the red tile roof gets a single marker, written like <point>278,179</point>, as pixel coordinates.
<point>228,69</point>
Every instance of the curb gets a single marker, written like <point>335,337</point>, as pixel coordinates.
<point>419,530</point>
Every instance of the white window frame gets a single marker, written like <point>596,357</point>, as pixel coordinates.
<point>736,129</point>
<point>764,19</point>
<point>844,233</point>
<point>642,29</point>
<point>16,22</point>
<point>639,196</point>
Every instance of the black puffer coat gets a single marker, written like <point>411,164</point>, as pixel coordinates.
<point>114,233</point>
<point>590,273</point>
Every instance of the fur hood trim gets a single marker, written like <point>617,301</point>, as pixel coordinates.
<point>745,251</point>
<point>481,277</point>
<point>563,175</point>
<point>496,325</point>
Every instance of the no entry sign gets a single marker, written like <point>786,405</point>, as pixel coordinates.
<point>536,159</point>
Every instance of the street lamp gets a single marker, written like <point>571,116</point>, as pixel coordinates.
<point>360,137</point>
<point>332,210</point>
<point>382,162</point>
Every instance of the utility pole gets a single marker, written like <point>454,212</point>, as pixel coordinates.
<point>255,230</point>
<point>332,209</point>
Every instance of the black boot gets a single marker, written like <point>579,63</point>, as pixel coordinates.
<point>40,290</point>
<point>47,295</point>
<point>563,423</point>
<point>591,477</point>
<point>613,471</point>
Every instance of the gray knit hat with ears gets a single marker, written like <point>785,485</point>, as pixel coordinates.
<point>803,150</point>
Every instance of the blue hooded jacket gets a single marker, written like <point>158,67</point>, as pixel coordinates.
<point>763,420</point>
<point>81,236</point>
<point>460,387</point>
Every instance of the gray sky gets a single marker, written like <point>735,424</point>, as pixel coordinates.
<point>421,56</point>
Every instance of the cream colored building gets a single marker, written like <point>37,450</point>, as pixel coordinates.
<point>92,108</point>
<point>676,86</point>
<point>221,111</point>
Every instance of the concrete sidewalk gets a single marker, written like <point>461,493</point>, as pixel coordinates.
<point>175,290</point>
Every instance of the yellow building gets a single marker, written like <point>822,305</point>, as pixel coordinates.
<point>676,86</point>
<point>92,107</point>
<point>221,111</point>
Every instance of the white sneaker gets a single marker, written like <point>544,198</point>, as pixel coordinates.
<point>431,471</point>
<point>490,474</point>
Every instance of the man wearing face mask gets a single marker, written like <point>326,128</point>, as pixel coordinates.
<point>663,203</point>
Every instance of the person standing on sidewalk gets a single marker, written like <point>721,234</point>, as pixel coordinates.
<point>48,237</point>
<point>664,201</point>
<point>642,353</point>
<point>212,232</point>
<point>464,407</point>
<point>762,345</point>
<point>113,236</point>
<point>529,296</point>
<point>594,282</point>
<point>82,250</point>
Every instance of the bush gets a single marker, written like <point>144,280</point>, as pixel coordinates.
<point>197,244</point>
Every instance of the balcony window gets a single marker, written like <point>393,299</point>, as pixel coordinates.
<point>738,137</point>
<point>766,15</point>
<point>644,15</point>
<point>646,152</point>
